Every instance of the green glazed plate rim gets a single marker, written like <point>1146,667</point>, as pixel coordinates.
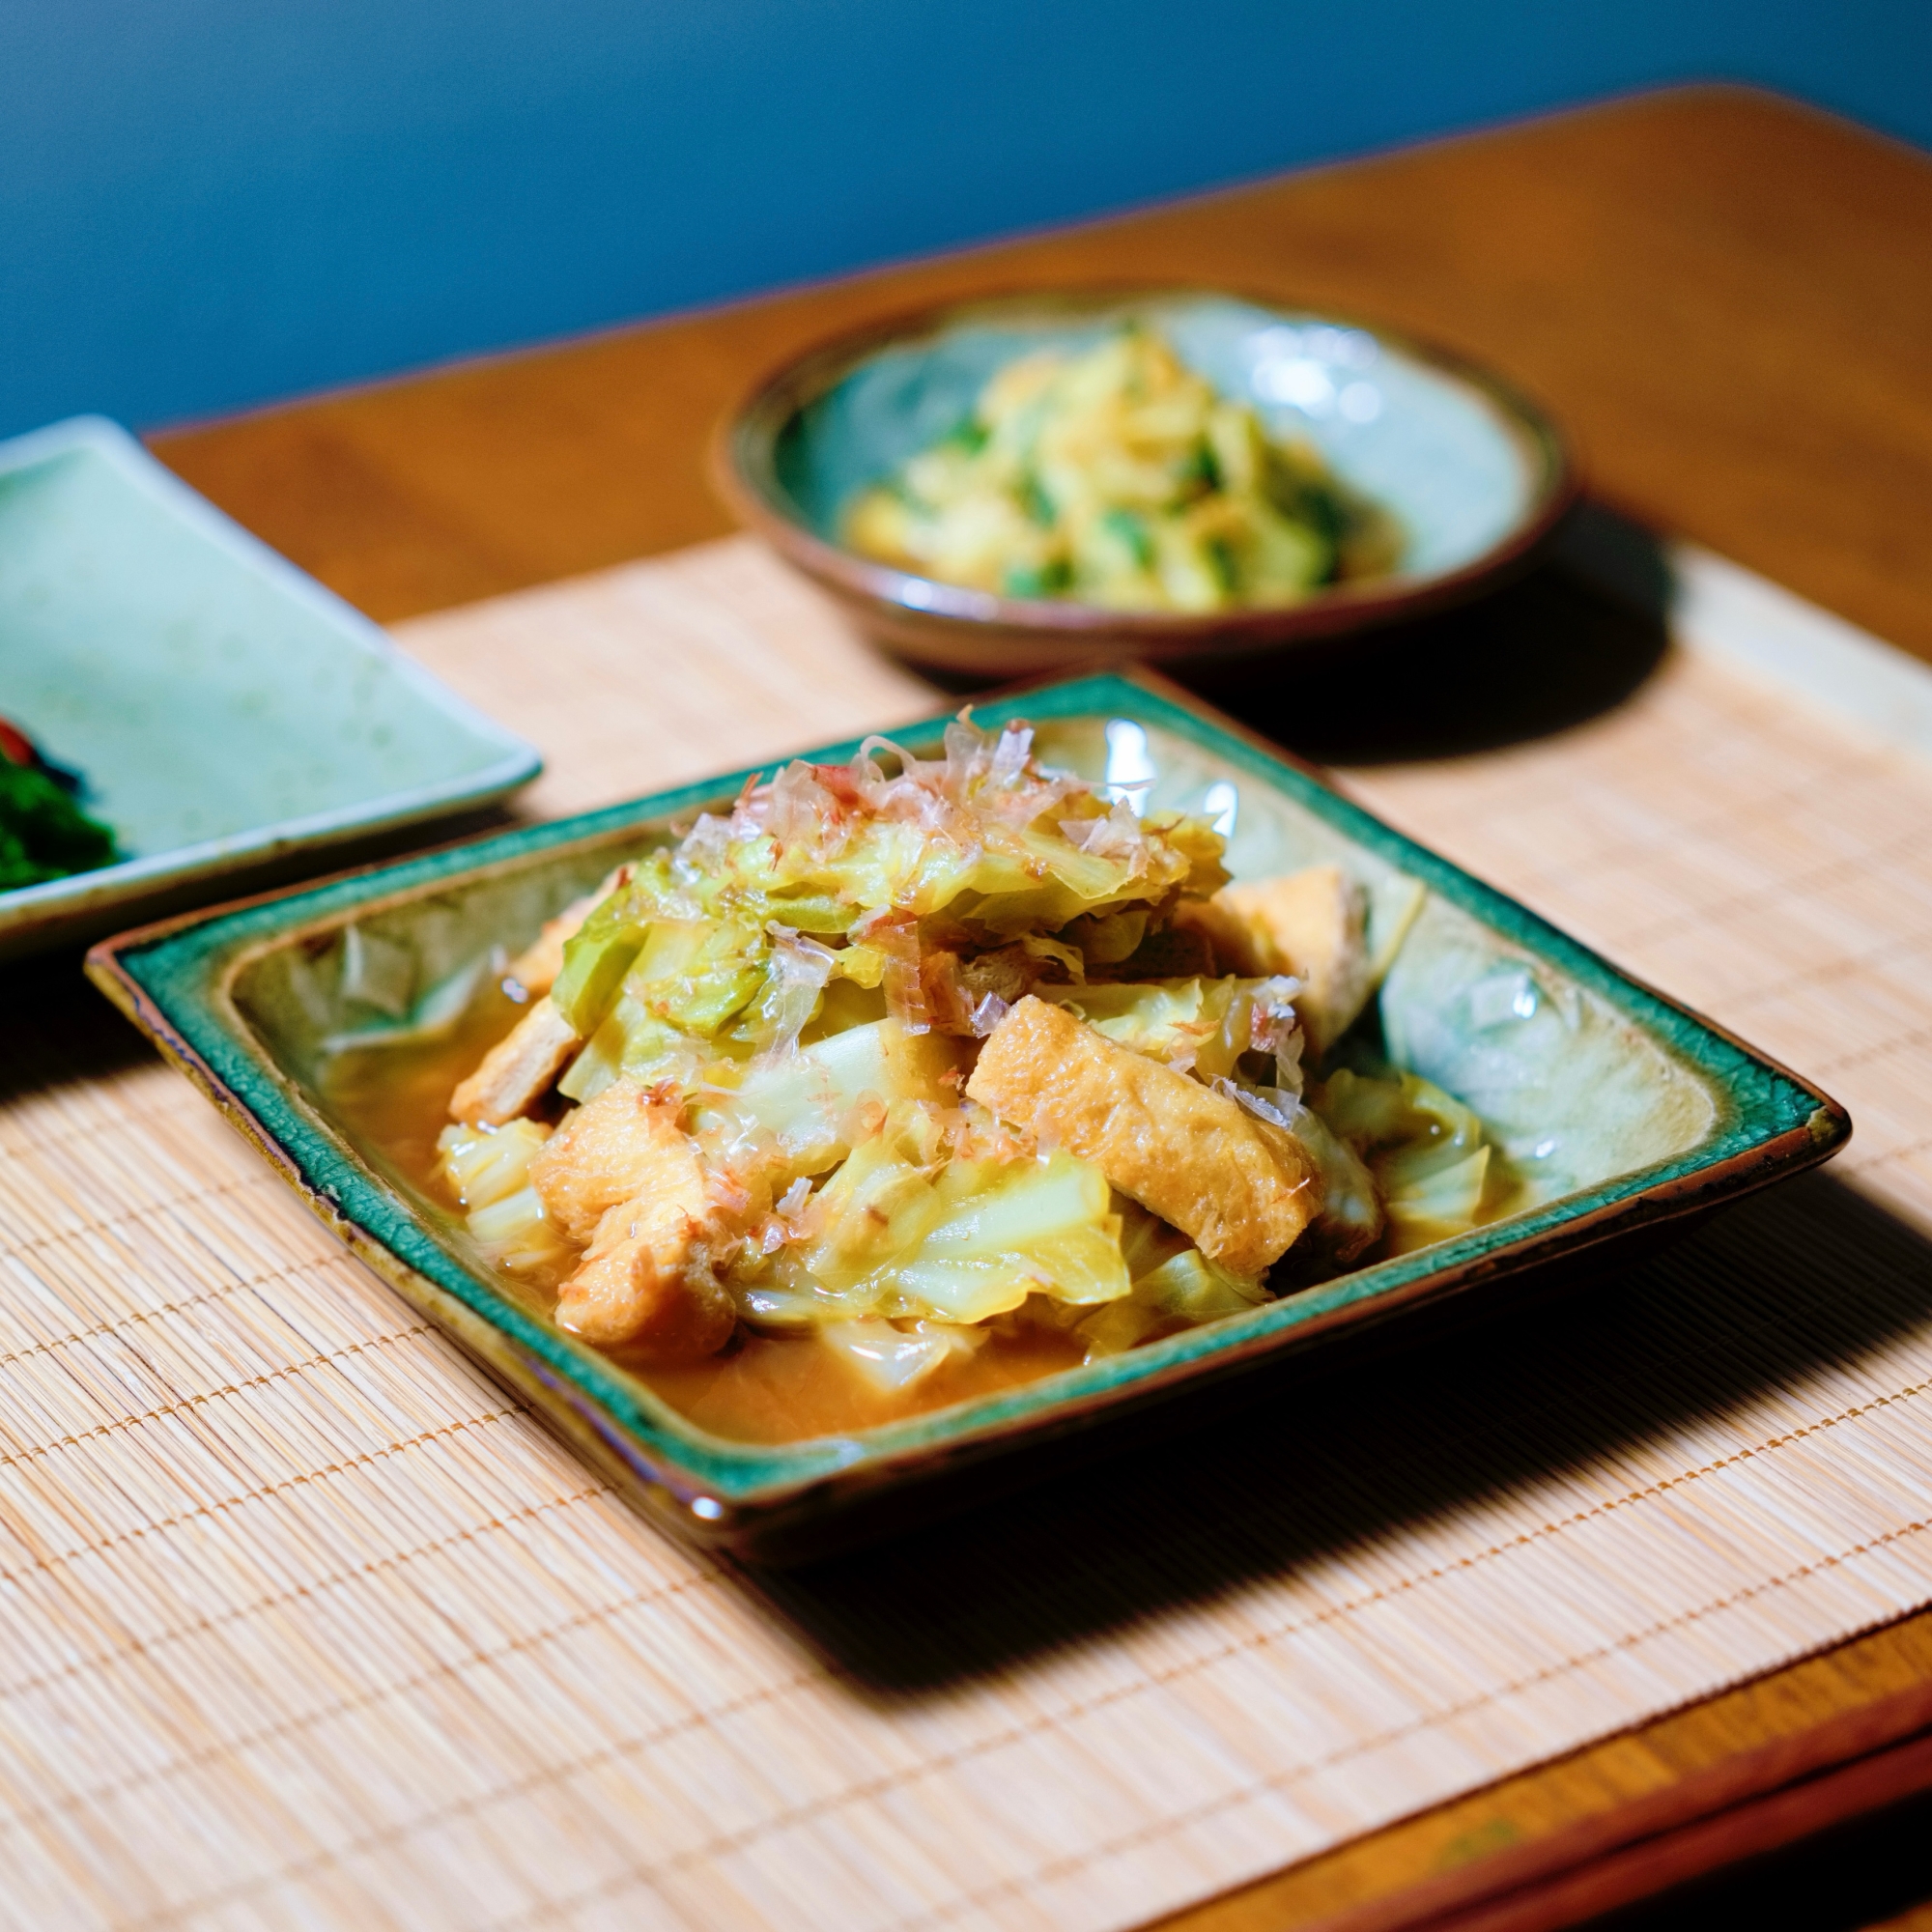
<point>173,979</point>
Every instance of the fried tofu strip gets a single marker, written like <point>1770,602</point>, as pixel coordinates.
<point>518,1072</point>
<point>622,1175</point>
<point>1244,1188</point>
<point>536,967</point>
<point>642,1287</point>
<point>619,1146</point>
<point>1310,924</point>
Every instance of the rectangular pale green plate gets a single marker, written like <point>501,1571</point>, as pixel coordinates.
<point>232,719</point>
<point>1624,1110</point>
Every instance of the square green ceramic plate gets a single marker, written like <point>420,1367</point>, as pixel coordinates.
<point>1620,1109</point>
<point>233,720</point>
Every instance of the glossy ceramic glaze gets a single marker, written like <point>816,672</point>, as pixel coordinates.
<point>1620,1109</point>
<point>1474,474</point>
<point>224,709</point>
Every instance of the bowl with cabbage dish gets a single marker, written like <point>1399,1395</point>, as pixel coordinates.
<point>1035,482</point>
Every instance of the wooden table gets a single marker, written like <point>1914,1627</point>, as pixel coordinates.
<point>1726,299</point>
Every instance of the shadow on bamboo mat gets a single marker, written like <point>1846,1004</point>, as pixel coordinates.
<point>1805,1277</point>
<point>62,1029</point>
<point>1546,653</point>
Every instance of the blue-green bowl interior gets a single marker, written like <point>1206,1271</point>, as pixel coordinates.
<point>1595,1088</point>
<point>1460,474</point>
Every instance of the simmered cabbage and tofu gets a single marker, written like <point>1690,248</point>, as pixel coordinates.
<point>906,1055</point>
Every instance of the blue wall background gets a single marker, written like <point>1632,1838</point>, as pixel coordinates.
<point>206,204</point>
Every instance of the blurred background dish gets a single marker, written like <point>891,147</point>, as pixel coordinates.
<point>1471,475</point>
<point>223,718</point>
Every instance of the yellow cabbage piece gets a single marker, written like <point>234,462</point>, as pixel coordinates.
<point>1202,1025</point>
<point>488,1169</point>
<point>963,1240</point>
<point>1424,1147</point>
<point>1173,1283</point>
<point>894,1356</point>
<point>804,1103</point>
<point>516,1234</point>
<point>484,1164</point>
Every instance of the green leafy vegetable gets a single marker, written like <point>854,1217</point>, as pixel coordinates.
<point>43,833</point>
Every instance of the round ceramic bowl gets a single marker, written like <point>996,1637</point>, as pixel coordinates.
<point>1473,473</point>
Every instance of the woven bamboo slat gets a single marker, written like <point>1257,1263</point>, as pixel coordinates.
<point>303,1621</point>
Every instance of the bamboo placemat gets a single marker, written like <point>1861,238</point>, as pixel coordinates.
<point>303,1621</point>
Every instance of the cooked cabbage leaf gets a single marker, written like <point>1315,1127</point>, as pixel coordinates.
<point>902,1230</point>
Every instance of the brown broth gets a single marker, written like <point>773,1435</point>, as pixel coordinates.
<point>769,1389</point>
<point>396,1100</point>
<point>761,1388</point>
